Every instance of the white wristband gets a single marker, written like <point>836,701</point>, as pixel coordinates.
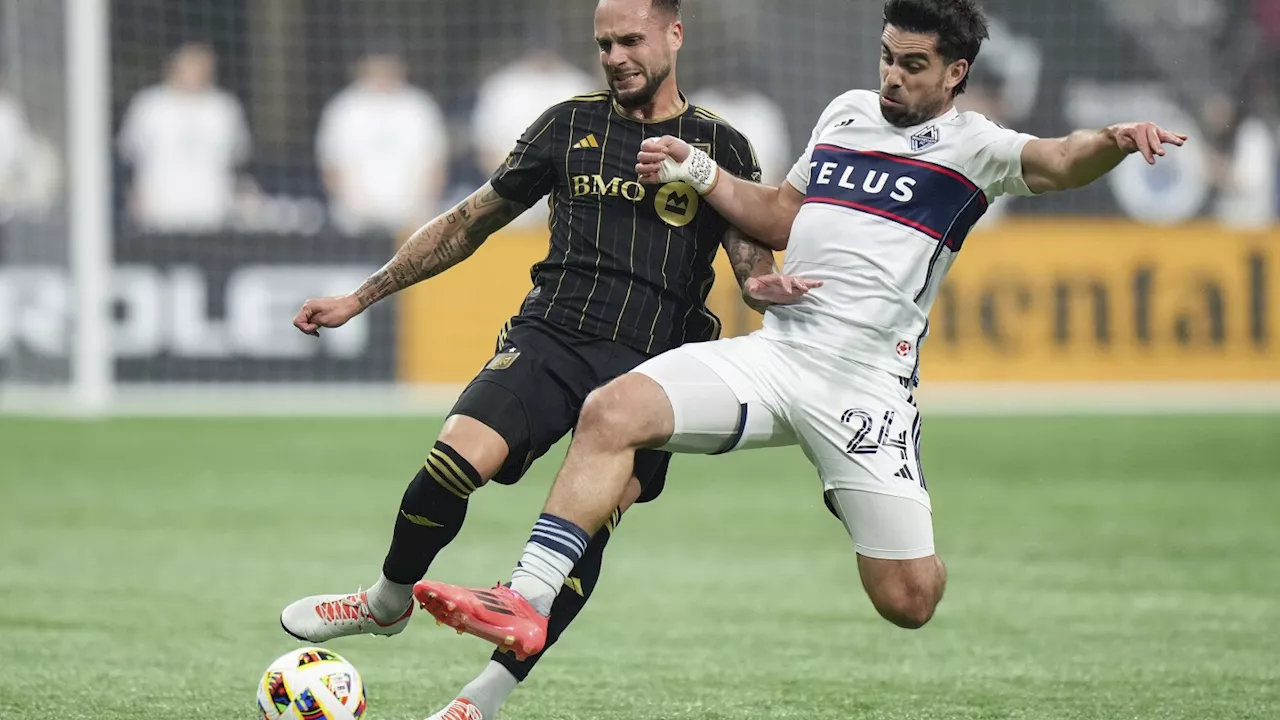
<point>699,170</point>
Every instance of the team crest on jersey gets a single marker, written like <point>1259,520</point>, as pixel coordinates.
<point>503,360</point>
<point>703,146</point>
<point>676,203</point>
<point>926,138</point>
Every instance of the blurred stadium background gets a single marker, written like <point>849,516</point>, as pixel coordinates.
<point>176,176</point>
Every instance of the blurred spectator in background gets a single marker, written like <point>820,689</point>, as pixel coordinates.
<point>185,139</point>
<point>382,147</point>
<point>30,171</point>
<point>15,143</point>
<point>757,116</point>
<point>1250,182</point>
<point>513,97</point>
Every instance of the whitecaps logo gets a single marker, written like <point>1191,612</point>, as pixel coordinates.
<point>926,138</point>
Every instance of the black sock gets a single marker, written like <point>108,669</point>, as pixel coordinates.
<point>431,514</point>
<point>572,598</point>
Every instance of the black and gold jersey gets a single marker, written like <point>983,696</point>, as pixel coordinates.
<point>628,261</point>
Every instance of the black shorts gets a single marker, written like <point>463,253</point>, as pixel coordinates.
<point>532,390</point>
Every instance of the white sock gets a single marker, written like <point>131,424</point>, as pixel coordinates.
<point>554,547</point>
<point>540,575</point>
<point>388,600</point>
<point>490,689</point>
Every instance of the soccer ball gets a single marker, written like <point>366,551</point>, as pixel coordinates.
<point>311,684</point>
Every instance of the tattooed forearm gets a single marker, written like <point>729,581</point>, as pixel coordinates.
<point>441,244</point>
<point>750,259</point>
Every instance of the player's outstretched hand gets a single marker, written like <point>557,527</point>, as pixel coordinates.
<point>1146,138</point>
<point>779,289</point>
<point>330,312</point>
<point>654,150</point>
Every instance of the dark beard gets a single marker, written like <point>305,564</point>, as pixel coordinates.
<point>646,93</point>
<point>900,116</point>
<point>906,117</point>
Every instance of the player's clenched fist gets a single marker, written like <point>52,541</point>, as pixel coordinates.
<point>330,312</point>
<point>1146,138</point>
<point>654,151</point>
<point>669,159</point>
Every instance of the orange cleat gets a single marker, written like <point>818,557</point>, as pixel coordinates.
<point>499,615</point>
<point>459,709</point>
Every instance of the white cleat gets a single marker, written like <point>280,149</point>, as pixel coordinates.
<point>459,709</point>
<point>321,618</point>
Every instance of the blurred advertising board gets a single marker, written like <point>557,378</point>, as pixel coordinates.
<point>1028,300</point>
<point>210,308</point>
<point>1109,301</point>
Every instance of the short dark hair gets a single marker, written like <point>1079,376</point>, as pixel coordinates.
<point>959,24</point>
<point>671,6</point>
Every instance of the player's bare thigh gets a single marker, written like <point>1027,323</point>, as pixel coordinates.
<point>703,398</point>
<point>631,411</point>
<point>717,399</point>
<point>487,451</point>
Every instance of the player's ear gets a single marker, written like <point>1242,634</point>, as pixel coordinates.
<point>675,34</point>
<point>956,73</point>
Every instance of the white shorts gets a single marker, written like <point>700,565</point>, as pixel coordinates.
<point>858,425</point>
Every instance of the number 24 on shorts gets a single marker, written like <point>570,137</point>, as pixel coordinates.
<point>864,424</point>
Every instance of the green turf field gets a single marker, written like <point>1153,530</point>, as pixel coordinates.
<point>1100,568</point>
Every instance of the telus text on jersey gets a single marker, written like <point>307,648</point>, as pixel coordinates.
<point>873,182</point>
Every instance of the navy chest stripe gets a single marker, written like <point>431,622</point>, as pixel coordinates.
<point>928,198</point>
<point>904,161</point>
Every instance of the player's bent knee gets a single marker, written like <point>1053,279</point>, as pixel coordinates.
<point>910,612</point>
<point>632,411</point>
<point>481,445</point>
<point>904,592</point>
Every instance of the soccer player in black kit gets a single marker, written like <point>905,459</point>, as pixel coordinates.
<point>626,278</point>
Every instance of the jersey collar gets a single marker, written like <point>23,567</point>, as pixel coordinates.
<point>684,108</point>
<point>947,116</point>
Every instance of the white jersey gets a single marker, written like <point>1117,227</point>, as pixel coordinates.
<point>886,211</point>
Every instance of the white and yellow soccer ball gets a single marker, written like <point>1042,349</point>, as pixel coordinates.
<point>311,684</point>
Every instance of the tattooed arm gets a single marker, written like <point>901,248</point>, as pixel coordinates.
<point>762,284</point>
<point>434,248</point>
<point>750,259</point>
<point>441,244</point>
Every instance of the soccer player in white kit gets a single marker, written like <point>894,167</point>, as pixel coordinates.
<point>872,215</point>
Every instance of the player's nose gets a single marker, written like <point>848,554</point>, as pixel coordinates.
<point>616,59</point>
